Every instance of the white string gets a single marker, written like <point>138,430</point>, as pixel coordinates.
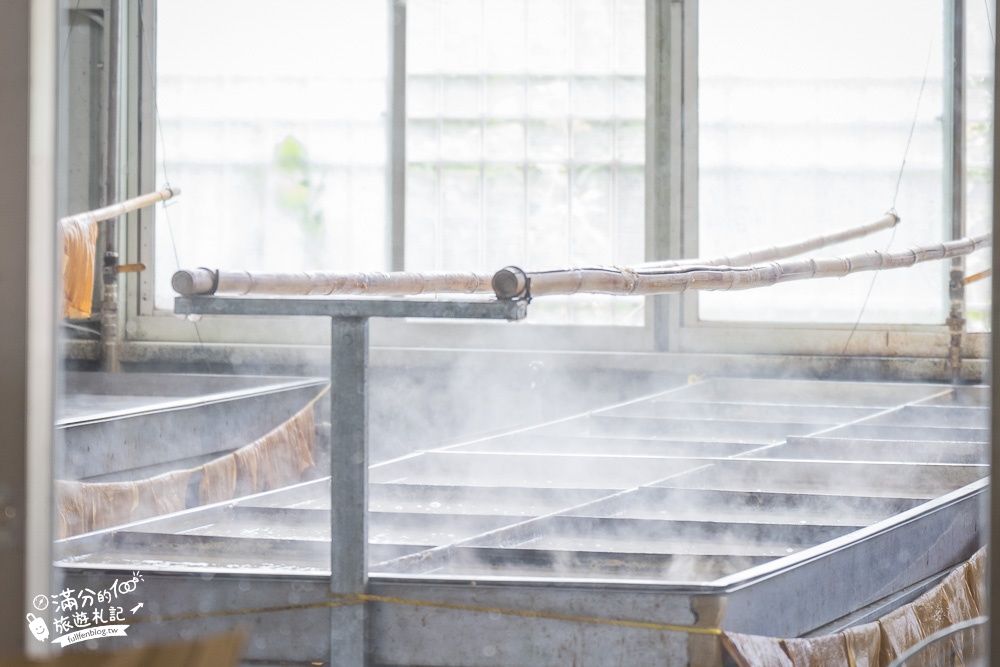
<point>899,179</point>
<point>163,158</point>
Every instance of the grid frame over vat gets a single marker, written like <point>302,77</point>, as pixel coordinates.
<point>690,486</point>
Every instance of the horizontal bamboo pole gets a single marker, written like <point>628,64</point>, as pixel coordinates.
<point>121,208</point>
<point>770,253</point>
<point>189,282</point>
<point>513,283</point>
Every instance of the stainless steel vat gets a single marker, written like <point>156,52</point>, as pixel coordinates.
<point>766,506</point>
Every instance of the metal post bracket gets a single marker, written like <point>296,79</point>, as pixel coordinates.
<point>351,307</point>
<point>349,417</point>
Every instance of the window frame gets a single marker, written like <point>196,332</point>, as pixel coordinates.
<point>671,230</point>
<point>146,324</point>
<point>687,332</point>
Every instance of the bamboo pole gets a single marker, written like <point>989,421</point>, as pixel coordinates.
<point>189,282</point>
<point>976,277</point>
<point>123,207</point>
<point>513,283</point>
<point>770,253</point>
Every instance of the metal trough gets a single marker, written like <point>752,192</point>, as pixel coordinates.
<point>124,426</point>
<point>762,506</point>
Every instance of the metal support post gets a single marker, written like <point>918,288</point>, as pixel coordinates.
<point>349,644</point>
<point>349,486</point>
<point>955,166</point>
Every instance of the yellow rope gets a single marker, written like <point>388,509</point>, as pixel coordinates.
<point>343,600</point>
<point>318,396</point>
<point>647,625</point>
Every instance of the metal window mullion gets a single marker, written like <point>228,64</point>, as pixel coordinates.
<point>525,159</point>
<point>570,181</point>
<point>684,70</point>
<point>439,105</point>
<point>954,136</point>
<point>613,166</point>
<point>482,137</point>
<point>666,23</point>
<point>397,122</point>
<point>142,145</point>
<point>955,162</point>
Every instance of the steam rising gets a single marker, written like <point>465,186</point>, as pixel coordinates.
<point>688,485</point>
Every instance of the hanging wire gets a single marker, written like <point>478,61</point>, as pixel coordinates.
<point>989,23</point>
<point>895,195</point>
<point>163,161</point>
<point>69,33</point>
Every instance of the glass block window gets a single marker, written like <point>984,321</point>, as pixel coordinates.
<point>803,125</point>
<point>525,141</point>
<point>271,120</point>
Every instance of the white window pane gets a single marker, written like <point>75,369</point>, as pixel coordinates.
<point>801,146</point>
<point>631,144</point>
<point>461,36</point>
<point>591,214</point>
<point>593,35</point>
<point>421,96</point>
<point>504,97</point>
<point>592,141</point>
<point>548,216</point>
<point>361,241</point>
<point>505,38</point>
<point>548,35</point>
<point>630,215</point>
<point>548,97</point>
<point>421,244</point>
<point>278,144</point>
<point>460,140</point>
<point>366,143</point>
<point>548,140</point>
<point>421,140</point>
<point>460,214</point>
<point>461,97</point>
<point>504,204</point>
<point>631,56</point>
<point>538,101</point>
<point>593,97</point>
<point>424,42</point>
<point>631,97</point>
<point>504,141</point>
<point>421,221</point>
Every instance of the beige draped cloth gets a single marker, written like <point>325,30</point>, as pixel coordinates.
<point>86,506</point>
<point>957,598</point>
<point>277,459</point>
<point>79,243</point>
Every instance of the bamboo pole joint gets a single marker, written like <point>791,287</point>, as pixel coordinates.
<point>188,282</point>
